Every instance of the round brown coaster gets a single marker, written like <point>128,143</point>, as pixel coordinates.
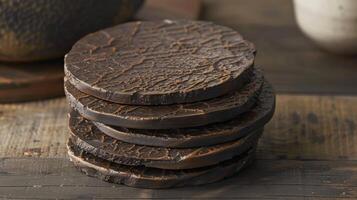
<point>204,135</point>
<point>30,81</point>
<point>145,177</point>
<point>86,136</point>
<point>162,62</point>
<point>167,116</point>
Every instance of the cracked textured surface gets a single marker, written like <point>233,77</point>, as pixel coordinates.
<point>162,62</point>
<point>204,135</point>
<point>167,116</point>
<point>144,177</point>
<point>86,136</point>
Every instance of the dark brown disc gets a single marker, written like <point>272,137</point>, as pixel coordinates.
<point>167,116</point>
<point>204,135</point>
<point>86,136</point>
<point>30,81</point>
<point>145,177</point>
<point>160,63</point>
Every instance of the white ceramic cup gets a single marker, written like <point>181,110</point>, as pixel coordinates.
<point>332,24</point>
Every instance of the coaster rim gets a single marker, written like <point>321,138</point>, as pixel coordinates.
<point>86,136</point>
<point>205,175</point>
<point>167,116</point>
<point>200,136</point>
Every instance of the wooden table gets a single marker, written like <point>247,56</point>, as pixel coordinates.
<point>308,150</point>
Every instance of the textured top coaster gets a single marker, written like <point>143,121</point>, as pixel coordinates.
<point>86,136</point>
<point>167,116</point>
<point>145,177</point>
<point>157,63</point>
<point>204,135</point>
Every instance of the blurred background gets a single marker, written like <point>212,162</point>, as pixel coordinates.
<point>293,62</point>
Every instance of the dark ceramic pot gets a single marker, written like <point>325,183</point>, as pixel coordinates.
<point>33,30</point>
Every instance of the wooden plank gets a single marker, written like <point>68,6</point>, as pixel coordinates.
<point>304,127</point>
<point>291,61</point>
<point>46,178</point>
<point>34,129</point>
<point>312,127</point>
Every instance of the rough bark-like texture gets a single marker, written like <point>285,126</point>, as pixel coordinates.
<point>203,135</point>
<point>86,136</point>
<point>167,116</point>
<point>162,62</point>
<point>156,178</point>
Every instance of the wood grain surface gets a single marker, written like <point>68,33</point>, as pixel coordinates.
<point>35,129</point>
<point>303,127</point>
<point>50,178</point>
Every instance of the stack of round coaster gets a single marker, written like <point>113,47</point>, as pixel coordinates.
<point>165,104</point>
